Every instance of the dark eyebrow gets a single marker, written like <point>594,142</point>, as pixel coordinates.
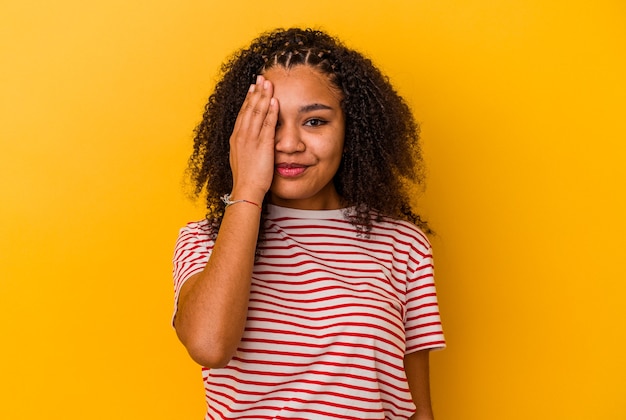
<point>313,107</point>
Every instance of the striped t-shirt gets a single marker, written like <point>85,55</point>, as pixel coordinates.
<point>330,318</point>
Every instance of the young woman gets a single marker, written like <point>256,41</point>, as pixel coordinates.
<point>308,291</point>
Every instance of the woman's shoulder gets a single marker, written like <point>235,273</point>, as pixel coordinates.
<point>200,229</point>
<point>401,230</point>
<point>198,224</point>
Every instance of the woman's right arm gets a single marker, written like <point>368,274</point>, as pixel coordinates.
<point>213,304</point>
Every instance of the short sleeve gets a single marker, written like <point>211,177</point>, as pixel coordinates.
<point>423,327</point>
<point>191,253</point>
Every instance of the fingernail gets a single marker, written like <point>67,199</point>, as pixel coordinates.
<point>259,78</point>
<point>251,88</point>
<point>266,84</point>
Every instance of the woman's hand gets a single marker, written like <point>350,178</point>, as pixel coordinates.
<point>252,143</point>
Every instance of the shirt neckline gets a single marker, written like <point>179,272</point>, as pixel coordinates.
<point>275,212</point>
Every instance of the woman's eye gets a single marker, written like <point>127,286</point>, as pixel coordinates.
<point>315,122</point>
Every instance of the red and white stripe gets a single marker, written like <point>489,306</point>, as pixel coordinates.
<point>330,318</point>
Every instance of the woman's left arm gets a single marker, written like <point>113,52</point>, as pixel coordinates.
<point>416,366</point>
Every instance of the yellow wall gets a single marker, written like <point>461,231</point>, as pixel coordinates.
<point>522,105</point>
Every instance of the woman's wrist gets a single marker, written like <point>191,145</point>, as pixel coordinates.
<point>229,201</point>
<point>248,192</point>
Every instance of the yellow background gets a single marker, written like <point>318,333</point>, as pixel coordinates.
<point>522,105</point>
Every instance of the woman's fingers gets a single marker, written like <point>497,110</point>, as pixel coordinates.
<point>255,107</point>
<point>252,140</point>
<point>268,128</point>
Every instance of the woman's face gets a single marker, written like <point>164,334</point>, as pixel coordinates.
<point>309,139</point>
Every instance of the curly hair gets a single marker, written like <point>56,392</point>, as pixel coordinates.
<point>382,158</point>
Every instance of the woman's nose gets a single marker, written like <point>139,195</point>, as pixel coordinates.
<point>288,139</point>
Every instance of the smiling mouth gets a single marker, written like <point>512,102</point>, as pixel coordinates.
<point>290,169</point>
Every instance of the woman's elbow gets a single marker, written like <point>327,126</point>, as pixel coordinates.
<point>210,358</point>
<point>206,351</point>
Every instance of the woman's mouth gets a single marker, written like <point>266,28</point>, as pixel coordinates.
<point>290,169</point>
